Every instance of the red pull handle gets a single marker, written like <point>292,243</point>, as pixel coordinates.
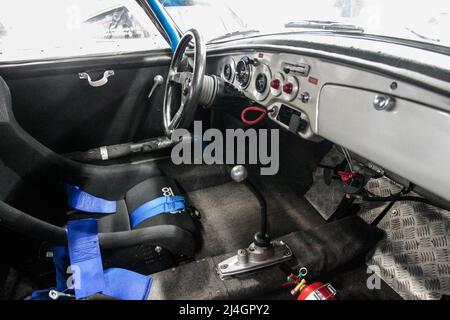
<point>257,120</point>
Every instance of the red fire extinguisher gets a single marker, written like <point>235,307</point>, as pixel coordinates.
<point>314,291</point>
<point>318,291</point>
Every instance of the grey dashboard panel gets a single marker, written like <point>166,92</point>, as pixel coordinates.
<point>411,139</point>
<point>324,72</point>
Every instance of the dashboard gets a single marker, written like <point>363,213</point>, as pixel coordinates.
<point>281,83</point>
<point>398,125</point>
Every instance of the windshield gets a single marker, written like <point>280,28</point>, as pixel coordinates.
<point>423,21</point>
<point>65,28</point>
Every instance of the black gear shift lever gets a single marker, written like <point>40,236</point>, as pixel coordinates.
<point>239,174</point>
<point>262,252</point>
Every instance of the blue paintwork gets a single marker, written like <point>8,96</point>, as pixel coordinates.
<point>166,23</point>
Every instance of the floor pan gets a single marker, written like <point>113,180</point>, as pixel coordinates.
<point>414,257</point>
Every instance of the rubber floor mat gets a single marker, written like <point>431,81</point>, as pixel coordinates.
<point>325,198</point>
<point>414,257</point>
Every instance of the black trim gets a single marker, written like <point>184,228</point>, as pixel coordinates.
<point>386,39</point>
<point>69,65</point>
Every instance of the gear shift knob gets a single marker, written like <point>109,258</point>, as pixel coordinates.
<point>238,173</point>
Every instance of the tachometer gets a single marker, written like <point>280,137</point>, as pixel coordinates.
<point>244,72</point>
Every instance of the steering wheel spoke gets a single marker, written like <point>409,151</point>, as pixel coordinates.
<point>180,77</point>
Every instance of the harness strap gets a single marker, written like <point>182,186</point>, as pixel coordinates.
<point>61,260</point>
<point>83,201</point>
<point>87,268</point>
<point>127,285</point>
<point>85,258</point>
<point>155,207</point>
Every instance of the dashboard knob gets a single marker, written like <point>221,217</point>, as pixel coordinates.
<point>383,103</point>
<point>305,97</point>
<point>275,84</point>
<point>288,88</point>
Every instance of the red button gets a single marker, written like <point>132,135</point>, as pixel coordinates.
<point>275,84</point>
<point>288,88</point>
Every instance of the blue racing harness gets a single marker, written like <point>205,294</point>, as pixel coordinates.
<point>82,256</point>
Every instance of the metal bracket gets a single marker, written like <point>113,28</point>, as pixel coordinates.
<point>98,83</point>
<point>254,258</point>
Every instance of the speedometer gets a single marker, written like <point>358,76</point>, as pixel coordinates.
<point>243,72</point>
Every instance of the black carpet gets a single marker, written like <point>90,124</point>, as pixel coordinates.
<point>230,217</point>
<point>230,212</point>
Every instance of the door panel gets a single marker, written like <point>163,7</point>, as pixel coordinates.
<point>66,114</point>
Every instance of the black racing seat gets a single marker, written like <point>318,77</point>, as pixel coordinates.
<point>146,257</point>
<point>155,244</point>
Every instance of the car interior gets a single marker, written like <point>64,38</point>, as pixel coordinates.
<point>363,141</point>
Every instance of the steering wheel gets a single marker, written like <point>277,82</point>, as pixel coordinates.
<point>184,83</point>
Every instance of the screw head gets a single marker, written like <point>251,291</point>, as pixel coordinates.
<point>242,252</point>
<point>394,85</point>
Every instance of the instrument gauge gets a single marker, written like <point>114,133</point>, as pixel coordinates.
<point>261,85</point>
<point>244,72</point>
<point>228,70</point>
<point>261,82</point>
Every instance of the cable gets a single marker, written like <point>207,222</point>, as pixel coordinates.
<point>348,158</point>
<point>257,120</point>
<point>382,214</point>
<point>399,198</point>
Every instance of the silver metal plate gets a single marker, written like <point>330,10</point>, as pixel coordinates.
<point>231,266</point>
<point>414,257</point>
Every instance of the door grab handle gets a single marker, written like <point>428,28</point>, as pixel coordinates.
<point>98,83</point>
<point>157,81</point>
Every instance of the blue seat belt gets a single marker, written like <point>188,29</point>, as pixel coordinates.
<point>86,265</point>
<point>155,207</point>
<point>83,201</point>
<point>127,285</point>
<point>61,260</point>
<point>88,277</point>
<point>85,258</point>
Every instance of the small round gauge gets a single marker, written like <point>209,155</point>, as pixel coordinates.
<point>261,85</point>
<point>243,72</point>
<point>261,82</point>
<point>228,70</point>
